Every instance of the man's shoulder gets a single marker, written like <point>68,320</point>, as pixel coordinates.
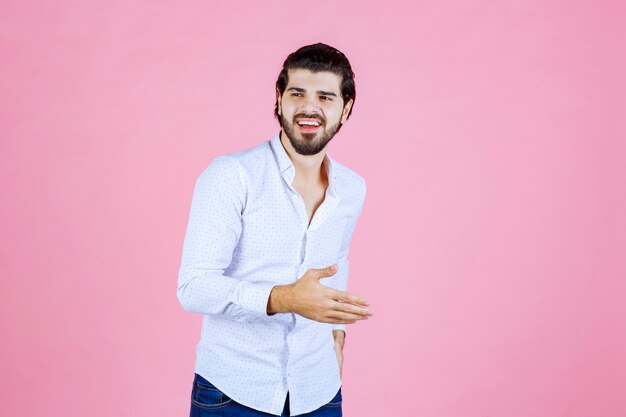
<point>250,155</point>
<point>252,159</point>
<point>241,164</point>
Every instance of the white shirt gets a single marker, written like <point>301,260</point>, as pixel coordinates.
<point>248,231</point>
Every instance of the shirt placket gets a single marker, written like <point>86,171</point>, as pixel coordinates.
<point>298,204</point>
<point>330,201</point>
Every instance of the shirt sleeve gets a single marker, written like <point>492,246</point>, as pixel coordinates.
<point>213,232</point>
<point>343,264</point>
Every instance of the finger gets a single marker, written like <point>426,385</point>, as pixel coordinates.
<point>351,308</point>
<point>327,272</point>
<point>347,297</point>
<point>347,316</point>
<point>334,320</point>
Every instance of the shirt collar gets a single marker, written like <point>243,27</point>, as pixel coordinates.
<point>287,169</point>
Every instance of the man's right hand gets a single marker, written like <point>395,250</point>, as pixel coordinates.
<point>310,299</point>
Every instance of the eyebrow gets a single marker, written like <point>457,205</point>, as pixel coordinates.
<point>302,90</point>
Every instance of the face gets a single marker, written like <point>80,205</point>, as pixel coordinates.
<point>311,109</point>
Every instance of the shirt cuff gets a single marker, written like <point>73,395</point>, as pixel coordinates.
<point>339,327</point>
<point>255,296</point>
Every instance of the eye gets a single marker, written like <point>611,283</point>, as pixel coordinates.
<point>296,94</point>
<point>326,98</point>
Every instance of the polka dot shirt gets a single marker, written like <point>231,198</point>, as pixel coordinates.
<point>248,231</point>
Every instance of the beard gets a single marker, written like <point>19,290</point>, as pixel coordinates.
<point>309,143</point>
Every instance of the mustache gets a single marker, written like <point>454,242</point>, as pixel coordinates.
<point>309,116</point>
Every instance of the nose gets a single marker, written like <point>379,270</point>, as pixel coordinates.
<point>310,105</point>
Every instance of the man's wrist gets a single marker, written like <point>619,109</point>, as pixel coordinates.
<point>340,337</point>
<point>279,300</point>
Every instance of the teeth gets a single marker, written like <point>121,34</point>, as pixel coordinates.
<point>309,123</point>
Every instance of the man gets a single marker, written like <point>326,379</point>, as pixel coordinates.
<point>265,256</point>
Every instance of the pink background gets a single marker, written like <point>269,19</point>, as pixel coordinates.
<point>492,243</point>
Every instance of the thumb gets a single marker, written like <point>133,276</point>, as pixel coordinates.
<point>327,272</point>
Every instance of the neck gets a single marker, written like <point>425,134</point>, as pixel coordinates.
<point>309,170</point>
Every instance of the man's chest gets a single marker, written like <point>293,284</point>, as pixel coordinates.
<point>281,224</point>
<point>312,197</point>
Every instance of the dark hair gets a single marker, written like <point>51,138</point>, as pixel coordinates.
<point>315,58</point>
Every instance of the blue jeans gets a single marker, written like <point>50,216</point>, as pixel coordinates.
<point>207,400</point>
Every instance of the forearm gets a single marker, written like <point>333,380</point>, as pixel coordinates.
<point>213,293</point>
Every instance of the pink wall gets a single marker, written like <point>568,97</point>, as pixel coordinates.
<point>492,244</point>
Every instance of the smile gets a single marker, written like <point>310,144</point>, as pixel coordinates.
<point>308,123</point>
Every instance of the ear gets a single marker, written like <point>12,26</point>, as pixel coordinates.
<point>346,111</point>
<point>280,107</point>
